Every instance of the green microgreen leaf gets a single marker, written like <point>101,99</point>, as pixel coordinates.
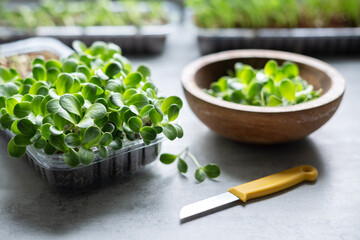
<point>117,99</point>
<point>14,150</point>
<point>85,123</point>
<point>7,120</point>
<point>145,71</point>
<point>89,91</point>
<point>36,104</point>
<point>22,140</point>
<point>135,124</point>
<point>49,149</point>
<point>64,83</point>
<point>72,140</point>
<point>22,109</point>
<point>271,68</point>
<point>200,174</point>
<point>70,103</point>
<point>57,141</point>
<point>246,74</point>
<point>106,139</point>
<point>91,136</point>
<point>14,127</point>
<point>53,63</point>
<point>170,131</point>
<point>69,65</point>
<point>212,170</point>
<point>274,101</point>
<point>290,70</point>
<point>71,158</point>
<point>95,111</point>
<point>39,72</point>
<point>26,127</point>
<point>103,152</point>
<point>116,144</point>
<point>8,89</point>
<point>10,104</point>
<point>155,116</point>
<point>148,133</point>
<point>182,166</point>
<point>139,100</point>
<point>86,156</point>
<point>41,143</point>
<point>79,46</point>
<point>128,93</point>
<point>62,117</point>
<point>113,69</point>
<point>173,112</point>
<point>53,106</point>
<point>132,79</point>
<point>170,101</point>
<point>287,89</point>
<point>108,127</point>
<point>168,158</point>
<point>100,74</point>
<point>45,130</point>
<point>179,130</point>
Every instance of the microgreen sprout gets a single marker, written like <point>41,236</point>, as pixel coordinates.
<point>89,103</point>
<point>210,170</point>
<point>272,86</point>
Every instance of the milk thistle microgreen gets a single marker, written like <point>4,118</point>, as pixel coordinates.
<point>88,103</point>
<point>272,86</point>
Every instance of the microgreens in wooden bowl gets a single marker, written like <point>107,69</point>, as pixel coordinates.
<point>88,103</point>
<point>272,86</point>
<point>274,105</point>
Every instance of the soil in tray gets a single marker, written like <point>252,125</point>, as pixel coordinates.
<point>22,62</point>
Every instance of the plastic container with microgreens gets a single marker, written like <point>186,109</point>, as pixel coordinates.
<point>87,118</point>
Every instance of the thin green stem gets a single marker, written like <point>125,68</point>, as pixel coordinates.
<point>193,158</point>
<point>183,151</point>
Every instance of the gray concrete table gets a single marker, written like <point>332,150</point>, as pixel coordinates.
<point>147,205</point>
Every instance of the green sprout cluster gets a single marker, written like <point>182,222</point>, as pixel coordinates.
<point>275,13</point>
<point>210,170</point>
<point>90,102</point>
<point>83,13</point>
<point>272,86</point>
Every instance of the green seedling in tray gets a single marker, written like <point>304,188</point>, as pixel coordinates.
<point>272,86</point>
<point>275,13</point>
<point>90,102</point>
<point>83,13</point>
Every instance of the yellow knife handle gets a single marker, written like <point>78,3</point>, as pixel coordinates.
<point>274,183</point>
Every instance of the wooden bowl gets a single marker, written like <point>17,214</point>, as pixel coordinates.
<point>254,124</point>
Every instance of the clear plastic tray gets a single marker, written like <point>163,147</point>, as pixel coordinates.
<point>121,163</point>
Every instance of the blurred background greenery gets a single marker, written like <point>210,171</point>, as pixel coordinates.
<point>275,13</point>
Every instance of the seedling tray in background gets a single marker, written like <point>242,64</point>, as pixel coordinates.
<point>121,163</point>
<point>131,39</point>
<point>301,40</point>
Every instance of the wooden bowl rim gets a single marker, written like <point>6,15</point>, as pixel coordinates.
<point>335,91</point>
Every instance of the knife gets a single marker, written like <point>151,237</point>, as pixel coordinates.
<point>254,189</point>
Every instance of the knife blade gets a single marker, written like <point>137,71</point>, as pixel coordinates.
<point>254,189</point>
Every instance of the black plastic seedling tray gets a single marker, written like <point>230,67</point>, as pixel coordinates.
<point>121,163</point>
<point>131,39</point>
<point>310,41</point>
